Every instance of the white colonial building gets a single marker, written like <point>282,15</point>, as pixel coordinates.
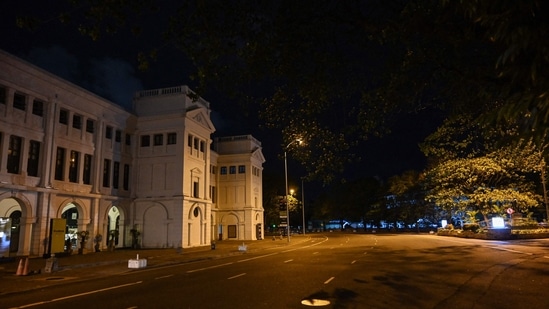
<point>151,177</point>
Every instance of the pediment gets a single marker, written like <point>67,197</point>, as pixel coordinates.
<point>258,155</point>
<point>200,116</point>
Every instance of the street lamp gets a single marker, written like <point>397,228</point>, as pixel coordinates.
<point>286,178</point>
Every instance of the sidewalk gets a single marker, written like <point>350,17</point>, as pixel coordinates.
<point>105,263</point>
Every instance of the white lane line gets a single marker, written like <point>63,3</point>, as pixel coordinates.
<point>288,261</point>
<point>329,280</point>
<point>257,257</point>
<point>242,274</point>
<point>97,291</point>
<point>305,247</point>
<point>353,262</point>
<point>509,250</point>
<point>80,294</point>
<point>206,268</point>
<point>162,277</point>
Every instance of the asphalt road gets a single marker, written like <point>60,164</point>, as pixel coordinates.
<point>346,270</point>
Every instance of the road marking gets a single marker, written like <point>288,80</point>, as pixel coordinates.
<point>316,252</point>
<point>80,294</point>
<point>288,261</point>
<point>206,268</point>
<point>257,257</point>
<point>97,291</point>
<point>242,274</point>
<point>329,280</point>
<point>353,262</point>
<point>509,250</point>
<point>167,276</point>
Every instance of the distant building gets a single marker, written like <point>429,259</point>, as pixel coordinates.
<point>153,173</point>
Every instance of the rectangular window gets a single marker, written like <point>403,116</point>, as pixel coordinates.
<point>73,166</point>
<point>108,132</point>
<point>14,154</point>
<point>77,122</point>
<point>172,139</point>
<point>213,169</point>
<point>115,174</point>
<point>195,143</point>
<point>86,174</point>
<point>19,101</point>
<point>202,146</point>
<point>241,169</point>
<point>34,158</point>
<point>38,108</point>
<point>117,136</point>
<point>64,116</point>
<point>60,164</point>
<point>190,143</point>
<point>90,126</point>
<point>213,195</point>
<point>158,139</point>
<point>232,170</point>
<point>145,140</point>
<point>126,177</point>
<point>3,94</point>
<point>106,173</point>
<point>223,170</point>
<point>128,139</point>
<point>195,189</point>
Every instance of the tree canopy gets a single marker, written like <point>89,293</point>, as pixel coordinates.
<point>335,72</point>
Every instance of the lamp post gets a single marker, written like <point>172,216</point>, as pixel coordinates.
<point>286,179</point>
<point>303,204</point>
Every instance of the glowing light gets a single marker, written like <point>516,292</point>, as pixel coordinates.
<point>498,223</point>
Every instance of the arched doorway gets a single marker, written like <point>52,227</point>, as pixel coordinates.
<point>71,215</point>
<point>114,227</point>
<point>195,231</point>
<point>10,220</point>
<point>230,224</point>
<point>155,233</point>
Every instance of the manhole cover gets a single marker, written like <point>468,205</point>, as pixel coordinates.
<point>315,302</point>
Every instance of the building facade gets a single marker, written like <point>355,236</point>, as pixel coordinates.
<point>151,177</point>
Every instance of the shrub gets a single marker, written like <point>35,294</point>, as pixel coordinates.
<point>473,227</point>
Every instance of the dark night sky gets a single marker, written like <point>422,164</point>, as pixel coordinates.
<point>108,67</point>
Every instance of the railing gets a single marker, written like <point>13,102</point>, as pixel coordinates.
<point>171,91</point>
<point>237,138</point>
<point>162,91</point>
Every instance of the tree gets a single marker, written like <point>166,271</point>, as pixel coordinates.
<point>487,184</point>
<point>409,201</point>
<point>463,138</point>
